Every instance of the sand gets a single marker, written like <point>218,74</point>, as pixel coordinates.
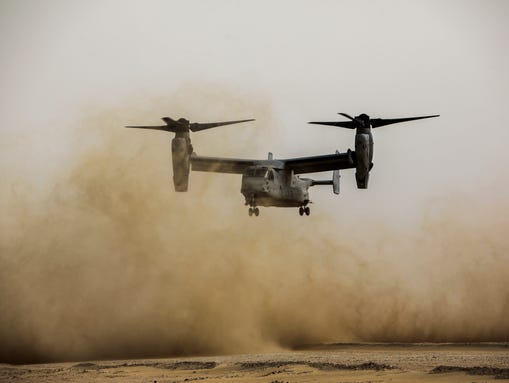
<point>326,363</point>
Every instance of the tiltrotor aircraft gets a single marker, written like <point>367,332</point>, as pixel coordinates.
<point>276,182</point>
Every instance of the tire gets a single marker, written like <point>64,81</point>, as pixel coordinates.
<point>301,211</point>
<point>250,212</point>
<point>307,210</point>
<point>256,211</point>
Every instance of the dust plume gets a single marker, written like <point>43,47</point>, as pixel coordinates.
<point>110,262</point>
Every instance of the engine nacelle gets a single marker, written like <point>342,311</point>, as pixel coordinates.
<point>180,151</point>
<point>363,156</point>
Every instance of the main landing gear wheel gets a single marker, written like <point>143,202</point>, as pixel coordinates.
<point>304,210</point>
<point>254,210</point>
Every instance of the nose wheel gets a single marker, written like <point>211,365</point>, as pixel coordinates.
<point>304,210</point>
<point>254,210</point>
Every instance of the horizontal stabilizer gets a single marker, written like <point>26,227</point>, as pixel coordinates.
<point>334,182</point>
<point>321,182</point>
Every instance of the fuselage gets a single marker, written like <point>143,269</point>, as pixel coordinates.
<point>266,186</point>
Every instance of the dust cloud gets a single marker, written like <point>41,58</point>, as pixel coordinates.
<point>110,262</point>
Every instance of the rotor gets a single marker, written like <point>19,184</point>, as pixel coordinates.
<point>364,121</point>
<point>183,125</point>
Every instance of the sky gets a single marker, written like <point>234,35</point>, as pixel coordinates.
<point>73,73</point>
<point>305,60</point>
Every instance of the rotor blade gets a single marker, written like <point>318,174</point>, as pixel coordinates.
<point>347,116</point>
<point>342,124</point>
<point>197,126</point>
<point>166,128</point>
<point>377,122</point>
<point>168,120</point>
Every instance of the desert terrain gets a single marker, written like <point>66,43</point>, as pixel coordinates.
<point>108,274</point>
<point>327,363</point>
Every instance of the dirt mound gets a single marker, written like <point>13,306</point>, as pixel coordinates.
<point>362,366</point>
<point>185,365</point>
<point>317,365</point>
<point>88,366</point>
<point>267,364</point>
<point>498,373</point>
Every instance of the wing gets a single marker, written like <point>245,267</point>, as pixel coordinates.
<point>321,163</point>
<point>221,165</point>
<point>298,165</point>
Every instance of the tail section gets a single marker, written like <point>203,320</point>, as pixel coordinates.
<point>334,182</point>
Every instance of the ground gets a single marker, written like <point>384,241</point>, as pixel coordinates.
<point>329,363</point>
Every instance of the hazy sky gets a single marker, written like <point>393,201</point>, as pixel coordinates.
<point>306,60</point>
<point>95,242</point>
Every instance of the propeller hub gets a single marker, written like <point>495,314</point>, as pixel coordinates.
<point>363,120</point>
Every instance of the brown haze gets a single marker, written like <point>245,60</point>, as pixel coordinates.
<point>110,262</point>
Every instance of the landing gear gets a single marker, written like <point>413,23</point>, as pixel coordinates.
<point>304,210</point>
<point>254,210</point>
<point>252,206</point>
